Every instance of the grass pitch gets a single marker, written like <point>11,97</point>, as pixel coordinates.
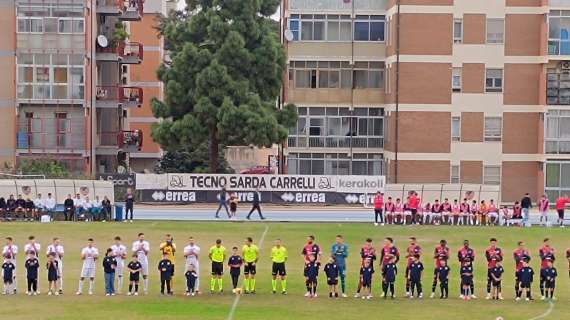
<point>265,305</point>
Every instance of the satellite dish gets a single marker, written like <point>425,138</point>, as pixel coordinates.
<point>102,41</point>
<point>288,35</point>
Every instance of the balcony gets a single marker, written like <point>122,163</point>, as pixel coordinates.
<point>127,10</point>
<point>128,141</point>
<point>337,5</point>
<point>125,53</point>
<point>119,96</point>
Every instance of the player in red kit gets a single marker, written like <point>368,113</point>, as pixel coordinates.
<point>413,250</point>
<point>440,255</point>
<point>493,254</point>
<point>520,255</point>
<point>446,214</point>
<point>413,203</point>
<point>467,254</point>
<point>367,252</point>
<point>546,253</point>
<point>389,252</point>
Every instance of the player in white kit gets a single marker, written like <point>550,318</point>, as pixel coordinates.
<point>141,247</point>
<point>56,248</point>
<point>33,248</point>
<point>9,253</point>
<point>191,253</point>
<point>120,254</point>
<point>89,255</point>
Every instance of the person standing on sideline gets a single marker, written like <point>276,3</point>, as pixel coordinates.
<point>223,202</point>
<point>543,206</point>
<point>279,257</point>
<point>560,206</point>
<point>141,248</point>
<point>526,205</point>
<point>9,252</point>
<point>255,205</point>
<point>89,255</point>
<point>129,205</point>
<point>56,249</point>
<point>68,208</point>
<point>120,254</point>
<point>191,253</point>
<point>109,267</point>
<point>168,248</point>
<point>339,251</point>
<point>379,208</point>
<point>413,203</point>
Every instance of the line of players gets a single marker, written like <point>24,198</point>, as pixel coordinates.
<point>334,269</point>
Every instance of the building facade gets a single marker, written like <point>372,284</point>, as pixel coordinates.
<point>74,76</point>
<point>432,91</point>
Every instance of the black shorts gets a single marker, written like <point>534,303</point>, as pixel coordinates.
<point>466,282</point>
<point>332,281</point>
<point>525,285</point>
<point>367,283</point>
<point>217,268</point>
<point>550,284</point>
<point>278,268</point>
<point>560,214</point>
<point>496,283</point>
<point>249,268</point>
<point>134,276</point>
<point>517,276</point>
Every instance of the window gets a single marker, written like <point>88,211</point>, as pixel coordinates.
<point>339,28</point>
<point>558,28</point>
<point>50,76</point>
<point>557,179</point>
<point>455,177</point>
<point>369,28</point>
<point>51,18</point>
<point>336,74</point>
<point>455,128</point>
<point>294,26</point>
<point>457,31</point>
<point>456,80</point>
<point>312,27</point>
<point>494,80</point>
<point>557,132</point>
<point>558,87</point>
<point>492,175</point>
<point>495,31</point>
<point>493,128</point>
<point>335,163</point>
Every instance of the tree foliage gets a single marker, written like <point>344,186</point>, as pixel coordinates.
<point>223,78</point>
<point>48,167</point>
<point>190,160</point>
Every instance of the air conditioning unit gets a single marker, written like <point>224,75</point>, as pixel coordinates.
<point>565,65</point>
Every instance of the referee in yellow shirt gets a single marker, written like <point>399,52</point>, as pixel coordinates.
<point>279,257</point>
<point>250,254</point>
<point>168,248</point>
<point>217,255</point>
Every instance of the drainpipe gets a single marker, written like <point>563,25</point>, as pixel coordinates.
<point>397,93</point>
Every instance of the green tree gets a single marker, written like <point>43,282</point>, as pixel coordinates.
<point>223,78</point>
<point>190,160</point>
<point>48,167</point>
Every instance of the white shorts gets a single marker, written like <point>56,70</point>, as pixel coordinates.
<point>119,270</point>
<point>88,272</point>
<point>144,267</point>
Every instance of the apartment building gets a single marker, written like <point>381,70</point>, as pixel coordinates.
<point>432,91</point>
<point>74,71</point>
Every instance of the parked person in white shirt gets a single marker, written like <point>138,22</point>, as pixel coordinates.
<point>86,207</point>
<point>49,205</point>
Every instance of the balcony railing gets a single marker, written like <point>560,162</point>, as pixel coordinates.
<point>125,9</point>
<point>113,96</point>
<point>558,146</point>
<point>126,53</point>
<point>335,5</point>
<point>335,142</point>
<point>558,47</point>
<point>130,141</point>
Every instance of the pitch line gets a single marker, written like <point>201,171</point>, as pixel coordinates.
<point>545,314</point>
<point>236,300</point>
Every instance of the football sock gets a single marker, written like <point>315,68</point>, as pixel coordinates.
<point>91,284</point>
<point>221,284</point>
<point>80,286</point>
<point>212,284</point>
<point>284,285</point>
<point>252,284</point>
<point>274,284</point>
